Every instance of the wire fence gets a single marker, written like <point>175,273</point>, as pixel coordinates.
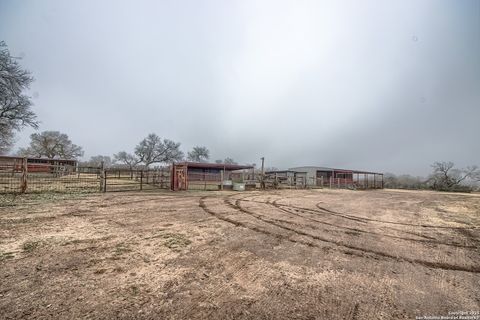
<point>20,176</point>
<point>25,177</point>
<point>132,179</point>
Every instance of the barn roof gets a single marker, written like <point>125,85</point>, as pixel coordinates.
<point>219,166</point>
<point>34,158</point>
<point>334,169</point>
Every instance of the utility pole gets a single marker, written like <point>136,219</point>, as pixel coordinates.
<point>262,175</point>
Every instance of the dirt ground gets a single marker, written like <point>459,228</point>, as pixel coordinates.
<point>290,254</point>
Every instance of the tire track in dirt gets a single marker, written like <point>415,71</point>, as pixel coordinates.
<point>366,220</point>
<point>250,227</point>
<point>321,213</point>
<point>272,234</point>
<point>280,207</point>
<point>429,264</point>
<point>347,216</point>
<point>311,211</point>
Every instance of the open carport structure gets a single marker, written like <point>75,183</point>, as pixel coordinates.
<point>341,178</point>
<point>209,176</point>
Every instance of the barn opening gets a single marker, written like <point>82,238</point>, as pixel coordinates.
<point>211,176</point>
<point>341,178</point>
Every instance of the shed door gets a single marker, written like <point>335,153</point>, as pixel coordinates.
<point>180,178</point>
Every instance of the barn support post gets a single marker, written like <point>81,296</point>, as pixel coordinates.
<point>222,173</point>
<point>24,183</point>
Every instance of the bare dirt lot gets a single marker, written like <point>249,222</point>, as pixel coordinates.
<point>314,254</point>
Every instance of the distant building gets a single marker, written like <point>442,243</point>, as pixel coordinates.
<point>34,164</point>
<point>332,177</point>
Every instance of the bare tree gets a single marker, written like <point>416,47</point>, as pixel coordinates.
<point>229,160</point>
<point>51,144</point>
<point>404,181</point>
<point>153,149</point>
<point>199,154</point>
<point>7,134</point>
<point>128,159</point>
<point>446,177</point>
<point>15,106</point>
<point>476,175</point>
<point>96,161</point>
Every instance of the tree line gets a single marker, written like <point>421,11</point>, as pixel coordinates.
<point>443,177</point>
<point>152,150</point>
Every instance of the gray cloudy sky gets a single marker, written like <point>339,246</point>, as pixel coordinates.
<point>378,85</point>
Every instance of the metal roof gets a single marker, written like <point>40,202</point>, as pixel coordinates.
<point>33,158</point>
<point>219,166</point>
<point>285,171</point>
<point>334,169</point>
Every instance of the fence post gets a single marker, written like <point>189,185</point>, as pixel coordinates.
<point>24,183</point>
<point>141,179</point>
<point>105,180</point>
<point>102,177</point>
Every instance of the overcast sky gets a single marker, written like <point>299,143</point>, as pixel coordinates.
<point>375,85</point>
